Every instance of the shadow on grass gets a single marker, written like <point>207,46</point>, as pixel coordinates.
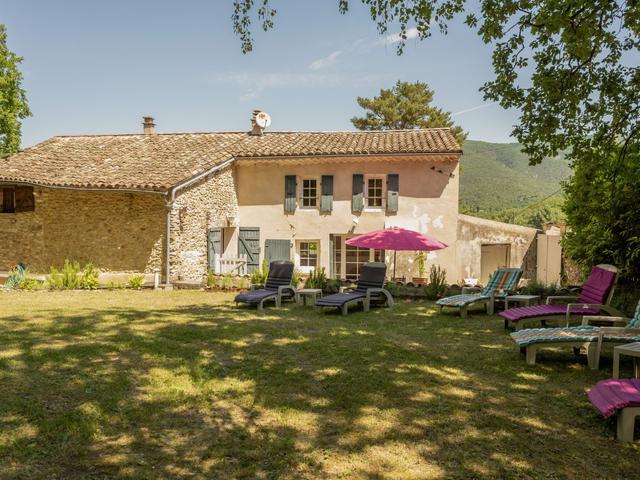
<point>177,389</point>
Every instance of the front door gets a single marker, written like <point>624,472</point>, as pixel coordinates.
<point>249,245</point>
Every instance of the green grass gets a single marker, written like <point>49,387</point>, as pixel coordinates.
<point>184,385</point>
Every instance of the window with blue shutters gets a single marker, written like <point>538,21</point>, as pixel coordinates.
<point>290,193</point>
<point>326,200</point>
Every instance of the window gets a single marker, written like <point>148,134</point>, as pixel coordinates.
<point>349,259</point>
<point>309,254</point>
<point>7,201</point>
<point>309,192</point>
<point>374,192</point>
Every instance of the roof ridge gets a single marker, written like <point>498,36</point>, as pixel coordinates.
<point>237,132</point>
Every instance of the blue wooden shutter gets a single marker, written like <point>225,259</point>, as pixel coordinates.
<point>393,190</point>
<point>214,245</point>
<point>357,200</point>
<point>290,193</point>
<point>249,245</point>
<point>277,250</point>
<point>326,200</point>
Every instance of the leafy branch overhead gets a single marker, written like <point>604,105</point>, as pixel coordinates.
<point>13,99</point>
<point>405,105</point>
<point>568,66</point>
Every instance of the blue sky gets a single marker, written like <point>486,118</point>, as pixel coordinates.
<point>98,67</point>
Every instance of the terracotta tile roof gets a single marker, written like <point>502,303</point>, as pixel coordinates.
<point>157,162</point>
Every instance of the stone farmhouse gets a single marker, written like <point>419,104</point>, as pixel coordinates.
<point>187,203</point>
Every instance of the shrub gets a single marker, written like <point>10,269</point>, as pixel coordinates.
<point>437,285</point>
<point>227,282</point>
<point>316,279</point>
<point>393,288</point>
<point>212,279</point>
<point>113,285</point>
<point>333,285</point>
<point>89,277</point>
<point>259,276</point>
<point>136,282</point>
<point>535,287</point>
<point>17,276</point>
<point>296,278</point>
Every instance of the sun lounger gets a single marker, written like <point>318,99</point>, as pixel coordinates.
<point>502,283</point>
<point>277,286</point>
<point>621,397</point>
<point>587,336</point>
<point>369,288</point>
<point>593,300</point>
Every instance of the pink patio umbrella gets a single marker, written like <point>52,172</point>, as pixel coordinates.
<point>396,239</point>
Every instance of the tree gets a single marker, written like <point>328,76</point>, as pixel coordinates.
<point>405,105</point>
<point>568,66</point>
<point>602,209</point>
<point>13,99</point>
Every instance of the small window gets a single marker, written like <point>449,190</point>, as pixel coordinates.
<point>309,192</point>
<point>374,192</point>
<point>7,200</point>
<point>309,254</point>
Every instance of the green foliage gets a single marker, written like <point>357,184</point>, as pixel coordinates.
<point>13,99</point>
<point>333,285</point>
<point>89,277</point>
<point>317,279</point>
<point>212,279</point>
<point>115,285</point>
<point>393,288</point>
<point>535,287</point>
<point>259,275</point>
<point>136,282</point>
<point>497,182</point>
<point>66,277</point>
<point>602,208</point>
<point>296,278</point>
<point>18,274</point>
<point>405,105</point>
<point>421,262</point>
<point>437,285</point>
<point>226,282</point>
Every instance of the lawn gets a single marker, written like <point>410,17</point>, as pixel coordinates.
<point>184,385</point>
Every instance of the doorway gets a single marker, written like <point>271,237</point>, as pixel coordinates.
<point>493,257</point>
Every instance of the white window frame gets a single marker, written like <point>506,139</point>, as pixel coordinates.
<point>301,196</point>
<point>306,268</point>
<point>383,192</point>
<point>343,254</point>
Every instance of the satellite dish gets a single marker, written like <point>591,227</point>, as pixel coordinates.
<point>263,120</point>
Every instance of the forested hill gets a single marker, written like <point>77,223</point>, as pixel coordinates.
<point>496,181</point>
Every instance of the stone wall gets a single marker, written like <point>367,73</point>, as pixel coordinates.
<point>114,230</point>
<point>207,204</point>
<point>473,232</point>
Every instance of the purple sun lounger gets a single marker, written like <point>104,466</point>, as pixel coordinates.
<point>369,287</point>
<point>277,286</point>
<point>621,397</point>
<point>595,297</point>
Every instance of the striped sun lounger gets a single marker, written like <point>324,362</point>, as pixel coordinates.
<point>587,336</point>
<point>277,286</point>
<point>621,397</point>
<point>593,300</point>
<point>502,283</point>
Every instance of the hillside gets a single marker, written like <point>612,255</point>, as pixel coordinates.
<point>497,177</point>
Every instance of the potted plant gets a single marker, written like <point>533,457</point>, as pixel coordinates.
<point>421,262</point>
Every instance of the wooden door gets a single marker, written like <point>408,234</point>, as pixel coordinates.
<point>214,246</point>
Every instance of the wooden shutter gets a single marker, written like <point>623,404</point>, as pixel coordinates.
<point>357,200</point>
<point>393,189</point>
<point>277,250</point>
<point>24,201</point>
<point>214,243</point>
<point>8,204</point>
<point>289,193</point>
<point>326,200</point>
<point>249,245</point>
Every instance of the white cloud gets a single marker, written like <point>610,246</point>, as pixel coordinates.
<point>411,33</point>
<point>473,109</point>
<point>325,61</point>
<point>256,83</point>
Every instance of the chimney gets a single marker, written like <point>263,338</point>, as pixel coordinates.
<point>148,126</point>
<point>255,128</point>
